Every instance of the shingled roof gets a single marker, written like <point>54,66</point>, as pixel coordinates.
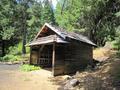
<point>47,39</point>
<point>61,33</point>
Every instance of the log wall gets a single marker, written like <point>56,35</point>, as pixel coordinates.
<point>59,59</point>
<point>69,58</point>
<point>77,57</point>
<point>34,55</point>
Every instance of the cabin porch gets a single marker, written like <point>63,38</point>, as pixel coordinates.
<point>49,56</point>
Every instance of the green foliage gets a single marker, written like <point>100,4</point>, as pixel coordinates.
<point>22,20</point>
<point>7,26</point>
<point>115,45</point>
<point>117,14</point>
<point>10,58</point>
<point>14,53</point>
<point>47,13</point>
<point>39,13</point>
<point>70,14</point>
<point>98,18</point>
<point>116,42</point>
<point>17,49</point>
<point>1,58</point>
<point>27,67</point>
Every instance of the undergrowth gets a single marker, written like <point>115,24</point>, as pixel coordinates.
<point>27,67</point>
<point>14,53</point>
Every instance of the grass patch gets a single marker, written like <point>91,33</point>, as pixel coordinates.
<point>27,67</point>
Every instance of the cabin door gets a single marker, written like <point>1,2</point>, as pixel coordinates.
<point>45,56</point>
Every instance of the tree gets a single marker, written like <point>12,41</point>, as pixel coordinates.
<point>34,22</point>
<point>7,27</point>
<point>40,13</point>
<point>22,19</point>
<point>22,7</point>
<point>93,17</point>
<point>47,13</point>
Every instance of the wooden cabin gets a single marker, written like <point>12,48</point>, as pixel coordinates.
<point>64,52</point>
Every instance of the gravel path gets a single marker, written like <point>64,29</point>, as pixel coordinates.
<point>13,79</point>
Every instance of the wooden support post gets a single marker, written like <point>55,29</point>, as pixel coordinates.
<point>38,56</point>
<point>39,53</point>
<point>53,59</point>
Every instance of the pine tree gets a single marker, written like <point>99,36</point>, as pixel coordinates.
<point>47,13</point>
<point>7,14</point>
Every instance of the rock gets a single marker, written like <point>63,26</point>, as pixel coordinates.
<point>71,84</point>
<point>74,82</point>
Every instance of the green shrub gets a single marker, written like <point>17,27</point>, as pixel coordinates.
<point>115,45</point>
<point>27,67</point>
<point>10,58</point>
<point>17,49</point>
<point>1,58</point>
<point>14,53</point>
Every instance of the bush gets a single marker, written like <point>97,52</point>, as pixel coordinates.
<point>14,53</point>
<point>17,49</point>
<point>27,67</point>
<point>1,58</point>
<point>115,45</point>
<point>10,58</point>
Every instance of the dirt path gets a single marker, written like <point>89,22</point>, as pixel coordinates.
<point>13,79</point>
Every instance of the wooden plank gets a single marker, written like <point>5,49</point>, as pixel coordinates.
<point>39,53</point>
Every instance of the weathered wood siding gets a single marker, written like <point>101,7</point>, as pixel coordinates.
<point>59,59</point>
<point>69,58</point>
<point>34,56</point>
<point>77,57</point>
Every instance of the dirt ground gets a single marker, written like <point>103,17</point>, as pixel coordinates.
<point>11,78</point>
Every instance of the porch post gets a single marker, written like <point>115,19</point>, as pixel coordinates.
<point>38,57</point>
<point>53,59</point>
<point>39,53</point>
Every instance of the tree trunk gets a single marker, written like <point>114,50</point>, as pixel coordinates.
<point>3,48</point>
<point>24,42</point>
<point>24,29</point>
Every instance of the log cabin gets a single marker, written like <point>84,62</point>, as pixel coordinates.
<point>62,51</point>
